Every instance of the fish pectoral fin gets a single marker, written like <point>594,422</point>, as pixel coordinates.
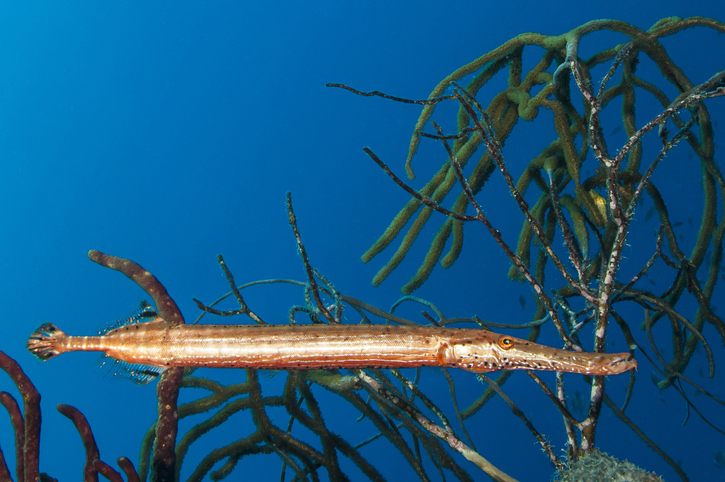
<point>137,373</point>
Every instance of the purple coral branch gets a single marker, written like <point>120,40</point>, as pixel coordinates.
<point>167,391</point>
<point>89,441</point>
<point>94,465</point>
<point>107,471</point>
<point>128,469</point>
<point>31,401</point>
<point>16,418</point>
<point>166,307</point>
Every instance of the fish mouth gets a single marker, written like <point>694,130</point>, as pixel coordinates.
<point>604,363</point>
<point>585,363</point>
<point>622,364</point>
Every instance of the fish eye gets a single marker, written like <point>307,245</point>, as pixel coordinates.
<point>506,342</point>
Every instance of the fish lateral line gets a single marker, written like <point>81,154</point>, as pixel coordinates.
<point>145,347</point>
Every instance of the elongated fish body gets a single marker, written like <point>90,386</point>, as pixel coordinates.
<point>152,345</point>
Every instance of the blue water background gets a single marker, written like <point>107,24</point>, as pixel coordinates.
<point>169,132</point>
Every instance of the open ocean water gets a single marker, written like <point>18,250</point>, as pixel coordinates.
<point>169,132</point>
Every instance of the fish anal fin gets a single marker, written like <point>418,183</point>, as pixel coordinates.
<point>137,373</point>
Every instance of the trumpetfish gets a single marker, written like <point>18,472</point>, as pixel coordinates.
<point>144,345</point>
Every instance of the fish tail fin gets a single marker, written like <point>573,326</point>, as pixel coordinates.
<point>44,343</point>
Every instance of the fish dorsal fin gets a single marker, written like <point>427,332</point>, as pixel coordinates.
<point>137,373</point>
<point>144,314</point>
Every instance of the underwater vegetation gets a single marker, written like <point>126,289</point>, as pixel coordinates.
<point>579,200</point>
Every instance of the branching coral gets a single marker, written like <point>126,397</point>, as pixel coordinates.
<point>593,215</point>
<point>598,210</point>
